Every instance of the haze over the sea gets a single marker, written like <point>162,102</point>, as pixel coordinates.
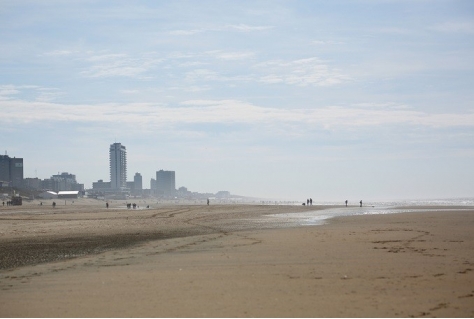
<point>331,100</point>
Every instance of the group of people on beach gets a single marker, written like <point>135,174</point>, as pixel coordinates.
<point>359,202</point>
<point>9,203</point>
<point>130,205</point>
<point>309,202</point>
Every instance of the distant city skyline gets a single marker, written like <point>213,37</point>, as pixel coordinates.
<point>329,100</point>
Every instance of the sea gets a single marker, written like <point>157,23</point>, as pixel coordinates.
<point>320,217</point>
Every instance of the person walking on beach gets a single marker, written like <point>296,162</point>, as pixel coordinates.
<point>311,201</point>
<point>107,205</point>
<point>54,204</point>
<point>361,203</point>
<point>307,202</point>
<point>208,202</point>
<point>346,202</point>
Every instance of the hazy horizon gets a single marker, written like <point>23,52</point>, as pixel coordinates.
<point>331,100</point>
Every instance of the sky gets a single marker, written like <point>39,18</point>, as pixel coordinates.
<point>286,100</point>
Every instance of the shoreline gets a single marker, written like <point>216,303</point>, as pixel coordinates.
<point>390,265</point>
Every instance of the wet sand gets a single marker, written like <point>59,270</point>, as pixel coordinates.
<point>82,260</point>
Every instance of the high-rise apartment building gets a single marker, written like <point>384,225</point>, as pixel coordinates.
<point>165,183</point>
<point>11,170</point>
<point>118,166</point>
<point>138,181</point>
<point>5,168</point>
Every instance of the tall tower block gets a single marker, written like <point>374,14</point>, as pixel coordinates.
<point>118,166</point>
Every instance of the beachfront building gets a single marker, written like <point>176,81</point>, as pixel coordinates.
<point>32,183</point>
<point>62,182</point>
<point>183,192</point>
<point>11,170</point>
<point>223,194</point>
<point>61,194</point>
<point>100,185</point>
<point>138,181</point>
<point>165,183</point>
<point>48,195</point>
<point>68,194</point>
<point>136,187</point>
<point>67,182</point>
<point>118,166</point>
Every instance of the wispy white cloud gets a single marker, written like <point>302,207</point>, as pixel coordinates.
<point>226,55</point>
<point>326,42</point>
<point>205,75</point>
<point>10,92</point>
<point>301,72</point>
<point>111,65</point>
<point>201,75</point>
<point>59,53</point>
<point>186,32</point>
<point>130,91</point>
<point>230,112</point>
<point>229,27</point>
<point>248,28</point>
<point>392,31</point>
<point>455,27</point>
<point>48,94</point>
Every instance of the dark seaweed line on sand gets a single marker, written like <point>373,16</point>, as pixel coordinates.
<point>32,251</point>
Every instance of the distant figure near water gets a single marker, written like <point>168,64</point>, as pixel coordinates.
<point>54,204</point>
<point>307,202</point>
<point>208,201</point>
<point>346,202</point>
<point>107,205</point>
<point>311,201</point>
<point>361,203</point>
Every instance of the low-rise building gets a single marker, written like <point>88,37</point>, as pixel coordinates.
<point>48,195</point>
<point>68,194</point>
<point>100,185</point>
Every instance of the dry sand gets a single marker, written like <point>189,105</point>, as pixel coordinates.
<point>219,261</point>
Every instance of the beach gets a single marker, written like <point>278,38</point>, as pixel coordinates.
<point>83,260</point>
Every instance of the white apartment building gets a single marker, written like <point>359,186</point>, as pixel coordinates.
<point>118,166</point>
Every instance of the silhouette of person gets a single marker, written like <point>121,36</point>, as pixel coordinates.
<point>54,204</point>
<point>361,203</point>
<point>307,202</point>
<point>107,205</point>
<point>311,201</point>
<point>346,202</point>
<point>208,201</point>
